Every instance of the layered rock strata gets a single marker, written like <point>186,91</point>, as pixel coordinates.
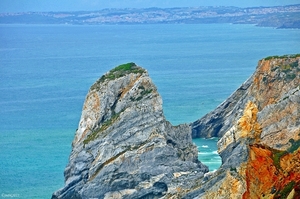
<point>124,147</point>
<point>259,130</point>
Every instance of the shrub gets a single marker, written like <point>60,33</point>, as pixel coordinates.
<point>103,127</point>
<point>283,56</point>
<point>118,72</point>
<point>277,156</point>
<point>286,190</point>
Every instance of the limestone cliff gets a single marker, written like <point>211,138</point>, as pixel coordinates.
<point>259,130</point>
<point>124,147</point>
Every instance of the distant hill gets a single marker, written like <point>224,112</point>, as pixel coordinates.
<point>277,16</point>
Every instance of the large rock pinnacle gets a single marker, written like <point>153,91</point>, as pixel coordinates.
<point>124,147</point>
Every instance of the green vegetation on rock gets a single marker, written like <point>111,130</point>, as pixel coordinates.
<point>281,57</point>
<point>285,191</point>
<point>277,156</point>
<point>295,145</point>
<point>118,72</point>
<point>290,69</point>
<point>103,127</point>
<point>143,93</point>
<point>121,71</point>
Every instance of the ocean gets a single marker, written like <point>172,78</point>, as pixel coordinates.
<point>46,71</point>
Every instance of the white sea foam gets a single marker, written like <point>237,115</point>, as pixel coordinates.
<point>206,153</point>
<point>215,152</point>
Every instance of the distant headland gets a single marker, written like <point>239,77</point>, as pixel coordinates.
<point>277,16</point>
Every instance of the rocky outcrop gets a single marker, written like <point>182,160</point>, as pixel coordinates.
<point>216,123</point>
<point>259,130</point>
<point>124,147</point>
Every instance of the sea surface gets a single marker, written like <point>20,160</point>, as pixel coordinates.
<point>46,71</point>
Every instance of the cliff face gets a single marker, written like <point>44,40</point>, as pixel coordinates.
<point>259,130</point>
<point>124,147</point>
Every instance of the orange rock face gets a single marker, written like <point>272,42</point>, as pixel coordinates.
<point>259,128</point>
<point>273,78</point>
<point>273,167</point>
<point>272,174</point>
<point>248,124</point>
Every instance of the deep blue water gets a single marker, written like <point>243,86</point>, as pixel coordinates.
<point>46,71</point>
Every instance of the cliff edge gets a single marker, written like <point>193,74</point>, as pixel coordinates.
<point>259,131</point>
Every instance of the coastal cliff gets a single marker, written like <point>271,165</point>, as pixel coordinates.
<point>259,131</point>
<point>125,148</point>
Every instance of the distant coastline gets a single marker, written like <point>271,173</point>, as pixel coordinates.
<point>277,16</point>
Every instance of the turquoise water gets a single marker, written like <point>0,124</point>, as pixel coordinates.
<point>208,153</point>
<point>46,71</point>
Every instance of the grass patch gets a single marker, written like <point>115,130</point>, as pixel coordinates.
<point>142,94</point>
<point>285,191</point>
<point>146,92</point>
<point>277,156</point>
<point>118,72</point>
<point>281,57</point>
<point>272,57</point>
<point>124,67</point>
<point>103,127</point>
<point>123,70</point>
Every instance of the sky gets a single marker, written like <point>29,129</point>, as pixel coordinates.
<point>88,5</point>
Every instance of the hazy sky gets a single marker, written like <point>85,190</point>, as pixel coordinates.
<point>75,5</point>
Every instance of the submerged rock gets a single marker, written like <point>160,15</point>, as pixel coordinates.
<point>124,147</point>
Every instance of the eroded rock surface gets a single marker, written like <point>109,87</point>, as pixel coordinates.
<point>259,131</point>
<point>124,147</point>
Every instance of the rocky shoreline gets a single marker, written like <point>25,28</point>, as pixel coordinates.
<point>125,148</point>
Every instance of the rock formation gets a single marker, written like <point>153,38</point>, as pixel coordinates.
<point>259,130</point>
<point>125,148</point>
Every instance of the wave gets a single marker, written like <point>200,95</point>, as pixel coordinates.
<point>206,153</point>
<point>209,153</point>
<point>211,162</point>
<point>204,146</point>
